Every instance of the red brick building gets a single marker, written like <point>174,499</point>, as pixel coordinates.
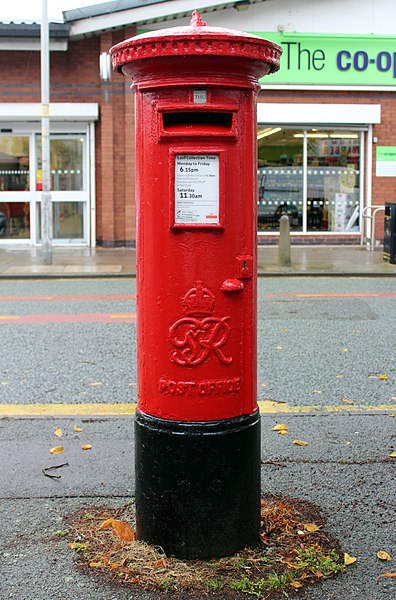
<point>326,122</point>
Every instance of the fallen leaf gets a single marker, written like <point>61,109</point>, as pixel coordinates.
<point>57,450</point>
<point>123,530</point>
<point>115,565</point>
<point>86,446</point>
<point>346,401</point>
<point>280,427</point>
<point>106,524</point>
<point>389,575</point>
<point>296,585</point>
<point>319,574</point>
<point>392,415</point>
<point>383,377</point>
<point>317,392</point>
<point>294,566</point>
<point>279,347</point>
<point>96,564</point>
<point>382,555</point>
<point>349,560</point>
<point>96,383</point>
<point>161,563</point>
<point>311,527</point>
<point>344,350</point>
<point>283,432</point>
<point>299,443</point>
<point>77,428</point>
<point>392,455</point>
<point>58,432</point>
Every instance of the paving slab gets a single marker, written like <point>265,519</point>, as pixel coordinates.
<point>81,262</point>
<point>345,470</point>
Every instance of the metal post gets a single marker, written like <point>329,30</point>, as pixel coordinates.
<point>46,204</point>
<point>284,256</point>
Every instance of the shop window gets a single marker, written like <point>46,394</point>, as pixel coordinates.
<point>280,178</point>
<point>330,168</point>
<point>14,164</point>
<point>66,164</point>
<point>67,220</point>
<point>333,192</point>
<point>14,220</point>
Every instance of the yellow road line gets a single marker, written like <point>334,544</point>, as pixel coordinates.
<point>266,408</point>
<point>9,317</point>
<point>30,410</point>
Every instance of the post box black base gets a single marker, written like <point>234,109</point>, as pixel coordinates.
<point>198,485</point>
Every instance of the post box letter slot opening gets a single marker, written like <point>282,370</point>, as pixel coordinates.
<point>197,122</point>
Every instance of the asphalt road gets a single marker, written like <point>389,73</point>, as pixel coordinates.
<point>311,350</point>
<point>322,342</point>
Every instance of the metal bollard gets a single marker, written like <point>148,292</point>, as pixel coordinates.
<point>284,256</point>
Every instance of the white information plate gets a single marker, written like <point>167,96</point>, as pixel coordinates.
<point>197,185</point>
<point>386,161</point>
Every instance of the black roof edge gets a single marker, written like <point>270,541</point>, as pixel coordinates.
<point>32,30</point>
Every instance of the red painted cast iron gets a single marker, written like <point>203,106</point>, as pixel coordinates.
<point>196,200</point>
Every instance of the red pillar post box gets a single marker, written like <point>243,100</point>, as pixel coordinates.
<point>197,423</point>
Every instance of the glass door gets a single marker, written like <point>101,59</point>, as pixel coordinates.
<point>15,194</point>
<point>69,187</point>
<point>333,189</point>
<point>280,178</point>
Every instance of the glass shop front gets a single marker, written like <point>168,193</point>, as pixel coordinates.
<point>314,175</point>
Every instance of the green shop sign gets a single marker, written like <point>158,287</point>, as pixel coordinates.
<point>321,59</point>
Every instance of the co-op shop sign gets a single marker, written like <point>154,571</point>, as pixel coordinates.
<point>335,59</point>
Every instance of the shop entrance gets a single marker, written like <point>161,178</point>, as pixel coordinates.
<point>21,186</point>
<point>313,175</point>
<point>68,187</point>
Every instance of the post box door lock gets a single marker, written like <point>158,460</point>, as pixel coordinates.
<point>244,267</point>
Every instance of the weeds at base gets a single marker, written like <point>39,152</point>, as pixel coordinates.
<point>287,559</point>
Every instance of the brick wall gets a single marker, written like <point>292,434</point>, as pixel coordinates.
<point>115,151</point>
<point>74,77</point>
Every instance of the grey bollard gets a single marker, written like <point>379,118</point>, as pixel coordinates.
<point>284,256</point>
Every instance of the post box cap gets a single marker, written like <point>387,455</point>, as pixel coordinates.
<point>197,39</point>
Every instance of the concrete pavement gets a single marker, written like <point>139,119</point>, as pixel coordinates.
<point>345,470</point>
<point>18,262</point>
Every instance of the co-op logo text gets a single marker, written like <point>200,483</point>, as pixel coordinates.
<point>298,57</point>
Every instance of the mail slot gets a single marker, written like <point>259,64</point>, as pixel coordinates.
<point>189,122</point>
<point>197,423</point>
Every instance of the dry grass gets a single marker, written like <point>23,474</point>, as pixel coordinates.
<point>288,557</point>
